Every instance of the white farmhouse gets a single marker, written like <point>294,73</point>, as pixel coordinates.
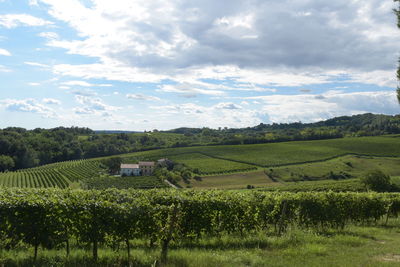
<point>130,170</point>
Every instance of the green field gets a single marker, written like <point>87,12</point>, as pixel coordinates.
<point>137,182</point>
<point>231,181</point>
<point>354,166</point>
<point>62,174</point>
<point>349,185</point>
<point>275,154</point>
<point>208,165</point>
<point>311,173</point>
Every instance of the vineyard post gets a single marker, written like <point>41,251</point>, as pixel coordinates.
<point>282,218</point>
<point>388,212</point>
<point>94,240</point>
<point>170,227</point>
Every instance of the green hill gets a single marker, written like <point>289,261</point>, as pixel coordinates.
<point>212,160</point>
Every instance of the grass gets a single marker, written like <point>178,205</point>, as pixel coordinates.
<point>305,151</point>
<point>353,246</point>
<point>355,166</point>
<point>284,153</point>
<point>231,181</point>
<point>293,177</point>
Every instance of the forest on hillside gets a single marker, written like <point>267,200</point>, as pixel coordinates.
<point>21,148</point>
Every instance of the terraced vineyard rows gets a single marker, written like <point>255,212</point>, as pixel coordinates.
<point>60,174</point>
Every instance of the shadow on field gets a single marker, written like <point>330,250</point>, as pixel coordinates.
<point>225,245</point>
<point>78,262</point>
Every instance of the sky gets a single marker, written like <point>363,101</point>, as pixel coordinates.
<point>156,64</point>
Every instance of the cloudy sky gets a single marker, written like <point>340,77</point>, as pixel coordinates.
<point>157,64</point>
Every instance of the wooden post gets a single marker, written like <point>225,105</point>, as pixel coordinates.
<point>170,229</point>
<point>283,214</point>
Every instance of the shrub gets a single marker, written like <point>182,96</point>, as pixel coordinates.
<point>376,180</point>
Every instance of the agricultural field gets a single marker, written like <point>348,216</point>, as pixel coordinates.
<point>208,165</point>
<point>140,182</point>
<point>230,181</point>
<point>62,175</point>
<point>349,185</point>
<point>284,153</point>
<point>55,227</point>
<point>337,168</point>
<point>276,154</point>
<point>330,173</point>
<point>238,165</point>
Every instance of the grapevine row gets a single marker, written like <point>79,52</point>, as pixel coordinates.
<point>54,216</point>
<point>52,175</point>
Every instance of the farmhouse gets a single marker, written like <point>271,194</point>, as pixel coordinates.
<point>146,167</point>
<point>130,170</point>
<point>143,168</point>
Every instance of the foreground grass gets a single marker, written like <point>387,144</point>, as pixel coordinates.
<point>353,246</point>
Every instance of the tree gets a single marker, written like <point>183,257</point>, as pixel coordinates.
<point>6,163</point>
<point>113,164</point>
<point>376,180</point>
<point>397,12</point>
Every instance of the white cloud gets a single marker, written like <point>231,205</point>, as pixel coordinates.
<point>224,105</point>
<point>4,69</point>
<point>378,77</point>
<point>194,115</point>
<point>150,41</point>
<point>108,72</point>
<point>77,83</point>
<point>49,35</point>
<point>189,89</point>
<point>34,84</point>
<point>4,52</point>
<point>83,92</point>
<point>92,105</point>
<point>84,84</point>
<point>15,20</point>
<point>51,101</point>
<point>36,64</point>
<point>311,107</point>
<point>33,3</point>
<point>142,97</point>
<point>28,105</point>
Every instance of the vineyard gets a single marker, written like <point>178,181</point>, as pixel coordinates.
<point>53,217</point>
<point>276,154</point>
<point>139,182</point>
<point>349,185</point>
<point>319,159</point>
<point>208,165</point>
<point>59,175</point>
